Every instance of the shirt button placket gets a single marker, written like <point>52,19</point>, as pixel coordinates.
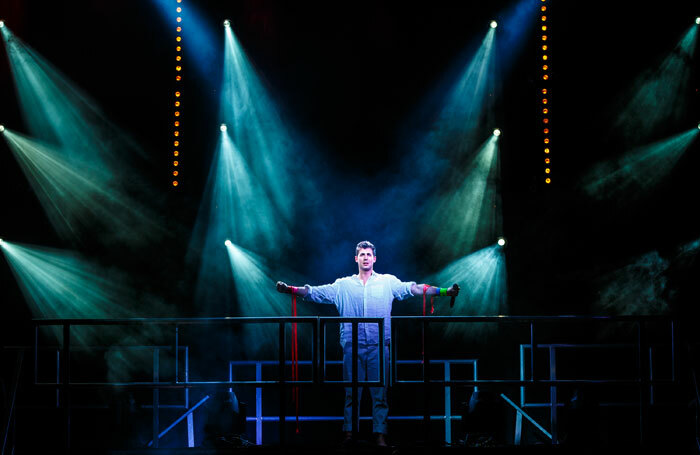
<point>364,310</point>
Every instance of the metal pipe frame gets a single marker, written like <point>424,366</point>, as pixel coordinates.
<point>318,376</point>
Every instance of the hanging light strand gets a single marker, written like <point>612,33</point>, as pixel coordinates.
<point>545,95</point>
<point>177,102</point>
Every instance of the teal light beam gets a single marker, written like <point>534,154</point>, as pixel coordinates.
<point>466,214</point>
<point>262,138</point>
<point>56,111</point>
<point>80,163</point>
<point>254,281</point>
<point>237,208</point>
<point>468,103</point>
<point>63,284</point>
<point>659,96</point>
<point>639,171</point>
<point>481,276</point>
<point>77,195</point>
<point>255,185</point>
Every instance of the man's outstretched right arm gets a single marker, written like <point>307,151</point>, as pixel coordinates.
<point>286,289</point>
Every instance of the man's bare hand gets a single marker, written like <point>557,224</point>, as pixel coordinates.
<point>453,290</point>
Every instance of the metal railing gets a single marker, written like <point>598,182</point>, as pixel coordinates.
<point>318,361</point>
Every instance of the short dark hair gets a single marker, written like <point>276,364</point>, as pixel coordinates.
<point>365,244</point>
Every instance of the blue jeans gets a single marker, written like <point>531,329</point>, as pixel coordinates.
<point>367,370</point>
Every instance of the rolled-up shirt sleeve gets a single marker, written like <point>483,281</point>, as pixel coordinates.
<point>325,293</point>
<point>400,289</point>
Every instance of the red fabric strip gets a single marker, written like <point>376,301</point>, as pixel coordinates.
<point>295,361</point>
<point>422,332</point>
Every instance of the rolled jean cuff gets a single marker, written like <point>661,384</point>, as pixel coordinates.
<point>379,429</point>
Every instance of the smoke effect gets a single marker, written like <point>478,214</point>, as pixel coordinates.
<point>637,288</point>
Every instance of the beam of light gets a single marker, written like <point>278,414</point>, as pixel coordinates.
<point>243,210</point>
<point>466,214</point>
<point>660,95</point>
<point>62,284</point>
<point>238,208</point>
<point>467,104</point>
<point>688,250</point>
<point>197,35</point>
<point>263,138</point>
<point>637,288</point>
<point>515,26</point>
<point>466,95</point>
<point>250,192</point>
<point>74,144</point>
<point>483,291</point>
<point>56,111</point>
<point>254,281</point>
<point>639,171</point>
<point>79,196</point>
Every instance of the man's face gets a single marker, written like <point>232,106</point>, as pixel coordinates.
<point>365,259</point>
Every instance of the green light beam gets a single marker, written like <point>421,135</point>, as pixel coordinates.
<point>257,296</point>
<point>237,208</point>
<point>660,95</point>
<point>639,171</point>
<point>468,104</point>
<point>77,195</point>
<point>56,111</point>
<point>75,144</point>
<point>62,284</point>
<point>482,279</point>
<point>261,136</point>
<point>467,213</point>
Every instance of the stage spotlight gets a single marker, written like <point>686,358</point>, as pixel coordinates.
<point>1,241</point>
<point>494,24</point>
<point>223,127</point>
<point>2,23</point>
<point>227,23</point>
<point>501,241</point>
<point>697,21</point>
<point>496,132</point>
<point>2,128</point>
<point>228,243</point>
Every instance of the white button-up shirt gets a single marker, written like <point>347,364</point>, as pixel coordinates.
<point>356,299</point>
